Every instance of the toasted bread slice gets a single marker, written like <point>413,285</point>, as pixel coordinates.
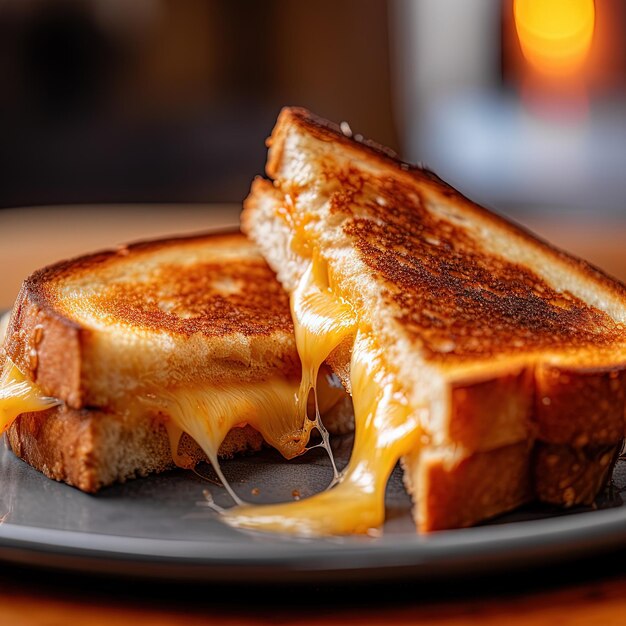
<point>202,308</point>
<point>504,340</point>
<point>90,449</point>
<point>124,337</point>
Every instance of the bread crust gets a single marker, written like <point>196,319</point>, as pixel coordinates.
<point>459,493</point>
<point>568,476</point>
<point>230,324</point>
<point>92,449</point>
<point>576,402</point>
<point>46,347</point>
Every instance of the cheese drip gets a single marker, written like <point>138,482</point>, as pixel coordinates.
<point>321,322</point>
<point>19,395</point>
<point>385,430</point>
<point>208,414</point>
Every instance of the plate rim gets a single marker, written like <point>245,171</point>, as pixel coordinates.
<point>459,552</point>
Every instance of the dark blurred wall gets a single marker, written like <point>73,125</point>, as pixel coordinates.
<point>171,100</point>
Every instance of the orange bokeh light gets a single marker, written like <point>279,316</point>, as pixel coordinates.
<point>555,35</point>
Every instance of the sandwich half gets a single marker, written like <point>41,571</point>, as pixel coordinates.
<point>160,353</point>
<point>490,363</point>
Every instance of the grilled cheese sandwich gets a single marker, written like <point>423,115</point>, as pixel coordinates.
<point>173,352</point>
<point>489,364</point>
<point>475,322</point>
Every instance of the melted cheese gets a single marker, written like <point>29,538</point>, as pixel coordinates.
<point>385,430</point>
<point>19,395</point>
<point>208,414</point>
<point>385,426</point>
<point>321,322</point>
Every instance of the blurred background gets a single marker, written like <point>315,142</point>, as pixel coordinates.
<point>521,104</point>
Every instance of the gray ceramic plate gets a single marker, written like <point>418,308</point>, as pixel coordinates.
<point>160,527</point>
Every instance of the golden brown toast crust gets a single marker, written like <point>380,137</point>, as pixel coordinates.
<point>487,484</point>
<point>262,309</point>
<point>329,131</point>
<point>575,402</point>
<point>201,297</point>
<point>237,304</point>
<point>487,305</point>
<point>90,449</point>
<point>474,489</point>
<point>484,304</point>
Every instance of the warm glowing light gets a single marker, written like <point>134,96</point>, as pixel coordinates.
<point>555,35</point>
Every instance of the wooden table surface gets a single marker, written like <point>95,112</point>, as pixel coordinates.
<point>590,591</point>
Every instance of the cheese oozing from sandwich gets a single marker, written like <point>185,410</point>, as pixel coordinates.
<point>386,428</point>
<point>206,413</point>
<point>19,395</point>
<point>209,413</point>
<point>321,322</point>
